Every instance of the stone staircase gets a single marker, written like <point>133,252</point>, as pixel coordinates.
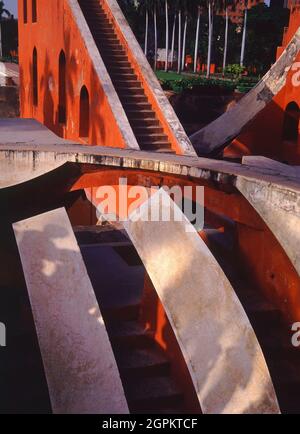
<point>141,116</point>
<point>117,276</point>
<point>273,333</point>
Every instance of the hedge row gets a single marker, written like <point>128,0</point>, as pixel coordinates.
<point>242,84</point>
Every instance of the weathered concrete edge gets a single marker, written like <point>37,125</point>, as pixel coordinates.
<point>151,79</point>
<point>228,126</point>
<point>220,172</point>
<point>103,76</point>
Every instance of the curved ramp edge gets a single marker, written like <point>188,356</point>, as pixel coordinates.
<point>220,348</point>
<point>279,207</point>
<point>213,137</point>
<point>80,367</point>
<point>19,170</point>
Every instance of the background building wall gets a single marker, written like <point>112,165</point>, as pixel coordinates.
<point>54,31</point>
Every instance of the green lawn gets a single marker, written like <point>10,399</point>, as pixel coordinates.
<point>179,82</point>
<point>172,76</point>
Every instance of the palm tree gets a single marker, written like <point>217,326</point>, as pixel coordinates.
<point>8,14</point>
<point>167,34</point>
<point>146,32</point>
<point>179,42</point>
<point>173,40</point>
<point>225,6</point>
<point>244,34</point>
<point>197,39</point>
<point>184,39</point>
<point>210,34</point>
<point>155,35</point>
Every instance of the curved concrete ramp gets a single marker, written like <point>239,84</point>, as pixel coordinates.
<point>219,345</point>
<point>80,367</point>
<point>212,138</point>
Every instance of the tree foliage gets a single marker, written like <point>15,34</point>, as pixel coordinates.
<point>264,30</point>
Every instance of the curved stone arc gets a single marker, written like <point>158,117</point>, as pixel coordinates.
<point>213,137</point>
<point>151,79</point>
<point>80,366</point>
<point>220,348</point>
<point>103,76</point>
<point>280,209</point>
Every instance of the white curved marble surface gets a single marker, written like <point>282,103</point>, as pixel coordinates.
<point>220,348</point>
<point>80,366</point>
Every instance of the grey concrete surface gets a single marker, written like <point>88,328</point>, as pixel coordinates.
<point>18,145</point>
<point>220,348</point>
<point>11,71</point>
<point>80,367</point>
<point>278,186</point>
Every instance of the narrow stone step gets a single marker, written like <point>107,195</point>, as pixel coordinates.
<point>141,114</point>
<point>141,362</point>
<point>153,394</point>
<point>129,334</point>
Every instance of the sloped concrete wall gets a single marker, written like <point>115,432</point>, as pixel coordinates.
<point>80,367</point>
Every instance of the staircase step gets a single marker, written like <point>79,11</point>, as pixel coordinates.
<point>127,84</point>
<point>137,106</point>
<point>121,70</point>
<point>141,114</point>
<point>141,362</point>
<point>128,312</point>
<point>164,148</point>
<point>145,130</point>
<point>153,394</point>
<point>144,122</point>
<point>129,334</point>
<point>151,138</point>
<point>130,92</point>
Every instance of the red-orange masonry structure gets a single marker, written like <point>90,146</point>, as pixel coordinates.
<point>275,131</point>
<point>84,76</point>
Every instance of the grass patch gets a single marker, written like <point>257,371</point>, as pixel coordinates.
<point>180,82</point>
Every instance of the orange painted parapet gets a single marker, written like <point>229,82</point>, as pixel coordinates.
<point>50,47</point>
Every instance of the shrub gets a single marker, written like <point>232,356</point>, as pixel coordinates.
<point>235,69</point>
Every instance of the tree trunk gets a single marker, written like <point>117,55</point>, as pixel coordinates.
<point>184,43</point>
<point>146,33</point>
<point>244,38</point>
<point>1,51</point>
<point>173,41</point>
<point>155,38</point>
<point>210,35</point>
<point>226,42</point>
<point>197,41</point>
<point>179,43</point>
<point>167,36</point>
